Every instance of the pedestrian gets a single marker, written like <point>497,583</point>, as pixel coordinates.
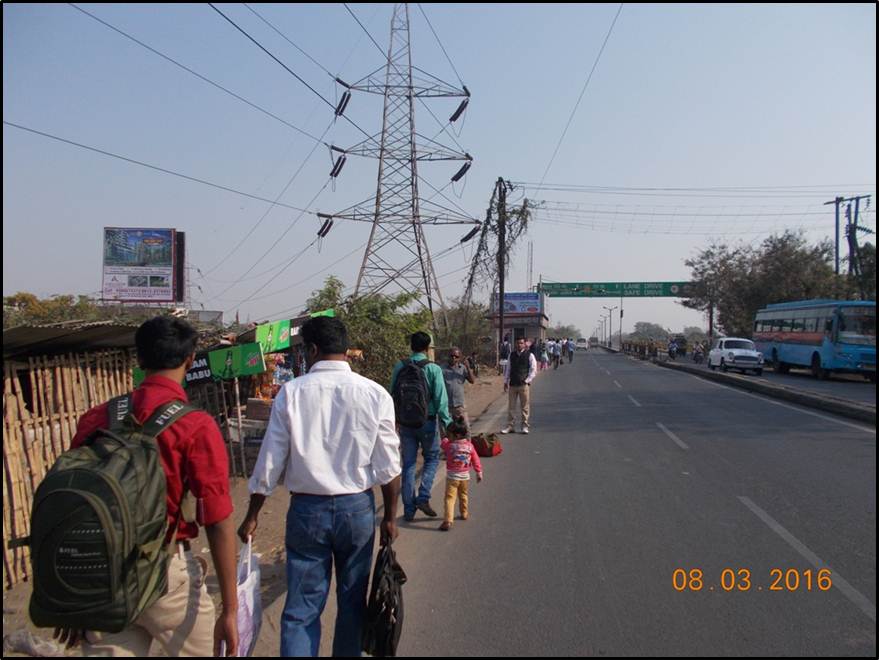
<point>517,381</point>
<point>460,455</point>
<point>427,435</point>
<point>570,350</point>
<point>535,348</point>
<point>473,363</point>
<point>331,434</point>
<point>556,353</point>
<point>504,354</point>
<point>454,375</point>
<point>194,459</point>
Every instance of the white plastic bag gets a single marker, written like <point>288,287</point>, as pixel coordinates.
<point>249,600</point>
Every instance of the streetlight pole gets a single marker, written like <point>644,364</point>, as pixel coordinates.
<point>610,317</point>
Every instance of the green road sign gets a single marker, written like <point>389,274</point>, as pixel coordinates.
<point>617,289</point>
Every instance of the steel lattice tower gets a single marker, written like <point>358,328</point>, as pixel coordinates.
<point>397,256</point>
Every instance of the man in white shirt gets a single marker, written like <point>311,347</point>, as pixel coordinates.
<point>334,432</point>
<point>518,374</point>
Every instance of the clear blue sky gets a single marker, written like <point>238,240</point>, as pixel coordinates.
<point>684,96</point>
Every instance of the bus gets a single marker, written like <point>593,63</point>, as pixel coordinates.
<point>825,336</point>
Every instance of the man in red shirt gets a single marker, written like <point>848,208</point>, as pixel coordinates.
<point>194,458</point>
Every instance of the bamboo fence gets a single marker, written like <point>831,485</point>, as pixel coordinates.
<point>39,421</point>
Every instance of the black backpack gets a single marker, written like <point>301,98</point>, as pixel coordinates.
<point>384,611</point>
<point>411,398</point>
<point>99,524</point>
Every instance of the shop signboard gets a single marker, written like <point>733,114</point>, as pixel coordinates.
<point>273,337</point>
<point>200,372</point>
<point>240,360</point>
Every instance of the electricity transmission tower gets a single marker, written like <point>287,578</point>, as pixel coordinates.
<point>397,256</point>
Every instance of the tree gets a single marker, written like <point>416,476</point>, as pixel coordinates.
<point>867,258</point>
<point>694,334</point>
<point>468,325</point>
<point>738,281</point>
<point>25,308</point>
<point>377,324</point>
<point>645,331</point>
<point>564,331</point>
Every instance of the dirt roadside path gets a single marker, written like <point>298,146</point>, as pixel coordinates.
<point>269,544</point>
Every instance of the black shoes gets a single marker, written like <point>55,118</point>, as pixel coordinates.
<point>424,507</point>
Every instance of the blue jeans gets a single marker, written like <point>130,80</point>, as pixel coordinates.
<point>427,437</point>
<point>322,529</point>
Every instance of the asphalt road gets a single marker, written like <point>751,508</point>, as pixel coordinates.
<point>843,386</point>
<point>630,473</point>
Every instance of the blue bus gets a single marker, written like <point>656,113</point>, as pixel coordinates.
<point>824,335</point>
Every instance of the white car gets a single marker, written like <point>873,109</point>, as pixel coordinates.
<point>734,353</point>
<point>582,344</point>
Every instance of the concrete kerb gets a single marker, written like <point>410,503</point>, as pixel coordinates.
<point>863,413</point>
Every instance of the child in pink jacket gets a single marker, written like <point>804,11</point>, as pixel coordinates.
<point>460,455</point>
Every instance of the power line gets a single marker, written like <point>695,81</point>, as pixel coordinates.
<point>196,73</point>
<point>290,263</point>
<point>421,9</point>
<point>779,189</point>
<point>155,167</point>
<point>582,92</point>
<point>289,70</point>
<point>274,245</point>
<point>354,16</point>
<point>779,195</point>
<point>683,214</point>
<point>271,207</point>
<point>287,39</point>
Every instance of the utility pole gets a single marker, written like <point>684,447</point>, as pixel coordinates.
<point>836,202</point>
<point>501,250</point>
<point>530,264</point>
<point>610,318</point>
<point>851,230</point>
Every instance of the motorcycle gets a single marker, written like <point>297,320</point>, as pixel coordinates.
<point>698,356</point>
<point>672,352</point>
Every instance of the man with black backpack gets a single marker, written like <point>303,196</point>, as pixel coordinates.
<point>420,398</point>
<point>109,535</point>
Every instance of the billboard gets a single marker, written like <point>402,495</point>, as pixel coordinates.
<point>139,265</point>
<point>527,303</point>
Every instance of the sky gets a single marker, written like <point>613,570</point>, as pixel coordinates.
<point>760,113</point>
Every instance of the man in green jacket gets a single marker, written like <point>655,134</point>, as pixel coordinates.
<point>427,437</point>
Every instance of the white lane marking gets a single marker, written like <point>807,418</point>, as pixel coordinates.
<point>862,602</point>
<point>671,435</point>
<point>617,384</point>
<point>784,405</point>
<point>634,401</point>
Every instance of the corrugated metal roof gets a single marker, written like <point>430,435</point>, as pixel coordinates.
<point>66,337</point>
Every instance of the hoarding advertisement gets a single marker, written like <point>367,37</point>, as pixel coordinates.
<point>139,264</point>
<point>519,303</point>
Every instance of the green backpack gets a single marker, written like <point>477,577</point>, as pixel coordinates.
<point>99,523</point>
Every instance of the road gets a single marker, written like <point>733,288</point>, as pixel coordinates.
<point>632,472</point>
<point>843,386</point>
